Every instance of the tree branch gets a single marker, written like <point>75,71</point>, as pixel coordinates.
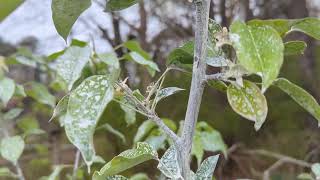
<point>217,76</point>
<point>150,114</point>
<point>197,84</point>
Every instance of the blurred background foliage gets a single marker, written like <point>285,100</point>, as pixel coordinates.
<point>159,26</point>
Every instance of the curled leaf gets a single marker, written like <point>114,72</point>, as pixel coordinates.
<point>249,102</point>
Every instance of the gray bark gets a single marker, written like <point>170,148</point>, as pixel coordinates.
<point>197,85</point>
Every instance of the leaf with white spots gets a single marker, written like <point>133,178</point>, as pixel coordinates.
<point>316,170</point>
<point>249,102</point>
<point>86,104</point>
<point>116,177</point>
<point>70,65</point>
<point>259,49</point>
<point>302,97</point>
<point>205,171</point>
<point>305,176</point>
<point>169,164</point>
<point>125,160</point>
<point>7,88</point>
<point>166,92</point>
<point>217,61</point>
<point>11,148</point>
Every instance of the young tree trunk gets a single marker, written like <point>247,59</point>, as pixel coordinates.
<point>197,85</point>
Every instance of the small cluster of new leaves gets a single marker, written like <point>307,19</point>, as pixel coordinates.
<point>260,51</point>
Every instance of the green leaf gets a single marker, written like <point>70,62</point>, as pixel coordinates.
<point>207,167</point>
<point>166,92</point>
<point>182,55</point>
<point>55,173</point>
<point>7,88</point>
<point>207,139</point>
<point>28,123</point>
<point>217,61</point>
<point>197,147</point>
<point>169,164</point>
<point>156,141</point>
<point>5,172</point>
<point>12,114</point>
<point>19,91</point>
<point>309,25</point>
<point>139,176</point>
<point>33,132</point>
<point>125,160</point>
<point>9,116</point>
<point>70,65</point>
<point>11,148</point>
<point>143,130</point>
<point>259,49</point>
<point>218,85</point>
<point>29,126</point>
<point>282,26</point>
<point>117,5</point>
<point>294,48</point>
<point>138,58</point>
<point>302,97</point>
<point>138,95</point>
<point>40,93</point>
<point>86,104</point>
<point>110,59</point>
<point>76,42</point>
<point>61,108</point>
<point>66,12</point>
<point>116,177</point>
<point>129,111</point>
<point>249,102</point>
<point>135,46</point>
<point>110,129</point>
<point>316,170</point>
<point>305,176</point>
<point>8,6</point>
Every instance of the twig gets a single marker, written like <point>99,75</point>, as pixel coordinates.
<point>217,76</point>
<point>266,173</point>
<point>19,172</point>
<point>281,160</point>
<point>76,165</point>
<point>280,156</point>
<point>150,114</point>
